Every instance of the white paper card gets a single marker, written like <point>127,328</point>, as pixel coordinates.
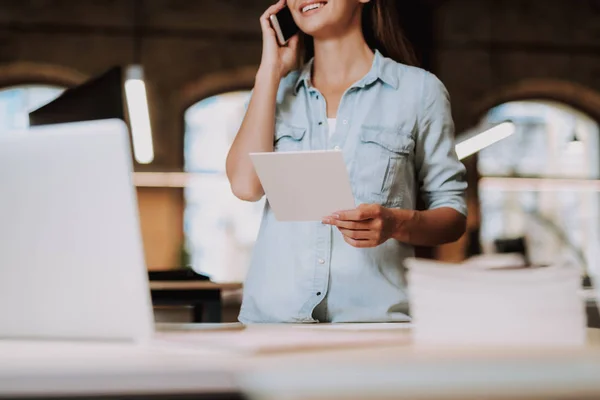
<point>305,185</point>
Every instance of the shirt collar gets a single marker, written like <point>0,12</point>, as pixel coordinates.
<point>381,69</point>
<point>304,78</point>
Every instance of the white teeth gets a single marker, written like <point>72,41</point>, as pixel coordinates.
<point>312,6</point>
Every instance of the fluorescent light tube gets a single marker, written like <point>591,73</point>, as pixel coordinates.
<point>484,139</point>
<point>139,116</point>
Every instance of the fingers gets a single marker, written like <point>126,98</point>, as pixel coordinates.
<point>354,225</point>
<point>292,44</point>
<point>358,235</point>
<point>375,235</point>
<point>264,18</point>
<point>361,244</point>
<point>351,215</point>
<point>361,213</point>
<point>266,28</point>
<point>361,227</point>
<point>273,9</point>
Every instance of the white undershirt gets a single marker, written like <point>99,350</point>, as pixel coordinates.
<point>331,122</point>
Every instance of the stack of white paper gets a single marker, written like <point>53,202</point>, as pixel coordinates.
<point>489,302</point>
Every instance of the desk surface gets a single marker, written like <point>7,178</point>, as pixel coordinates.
<point>385,364</point>
<point>194,285</point>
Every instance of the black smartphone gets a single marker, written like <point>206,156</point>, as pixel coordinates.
<point>284,26</point>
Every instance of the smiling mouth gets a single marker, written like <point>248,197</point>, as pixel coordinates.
<point>313,6</point>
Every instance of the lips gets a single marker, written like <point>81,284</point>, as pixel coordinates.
<point>311,5</point>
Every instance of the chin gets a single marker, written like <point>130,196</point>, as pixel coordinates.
<point>317,22</point>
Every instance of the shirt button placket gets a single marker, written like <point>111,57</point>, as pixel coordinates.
<point>322,120</point>
<point>322,263</point>
<point>323,243</point>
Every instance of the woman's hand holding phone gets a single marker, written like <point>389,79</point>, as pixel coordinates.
<point>257,130</point>
<point>278,60</point>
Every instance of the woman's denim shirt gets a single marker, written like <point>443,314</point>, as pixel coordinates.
<point>396,133</point>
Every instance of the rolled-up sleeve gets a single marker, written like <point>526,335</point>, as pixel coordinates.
<point>442,177</point>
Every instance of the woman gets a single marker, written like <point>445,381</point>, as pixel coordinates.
<point>357,93</point>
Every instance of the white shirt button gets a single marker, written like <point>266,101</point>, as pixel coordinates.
<point>345,122</point>
<point>337,148</point>
<point>321,261</point>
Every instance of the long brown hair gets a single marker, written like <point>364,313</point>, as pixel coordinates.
<point>381,30</point>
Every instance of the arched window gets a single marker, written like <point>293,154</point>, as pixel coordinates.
<point>542,183</point>
<point>220,230</point>
<point>16,102</point>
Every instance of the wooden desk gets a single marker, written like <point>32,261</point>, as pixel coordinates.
<point>194,285</point>
<point>203,296</point>
<point>445,375</point>
<point>376,370</point>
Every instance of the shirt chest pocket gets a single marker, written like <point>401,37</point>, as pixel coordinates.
<point>383,165</point>
<point>288,137</point>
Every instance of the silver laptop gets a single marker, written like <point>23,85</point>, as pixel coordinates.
<point>71,255</point>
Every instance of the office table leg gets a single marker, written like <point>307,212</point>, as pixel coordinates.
<point>212,311</point>
<point>206,304</point>
<point>593,314</point>
<point>208,311</point>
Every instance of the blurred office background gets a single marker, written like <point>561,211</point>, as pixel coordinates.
<point>536,62</point>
